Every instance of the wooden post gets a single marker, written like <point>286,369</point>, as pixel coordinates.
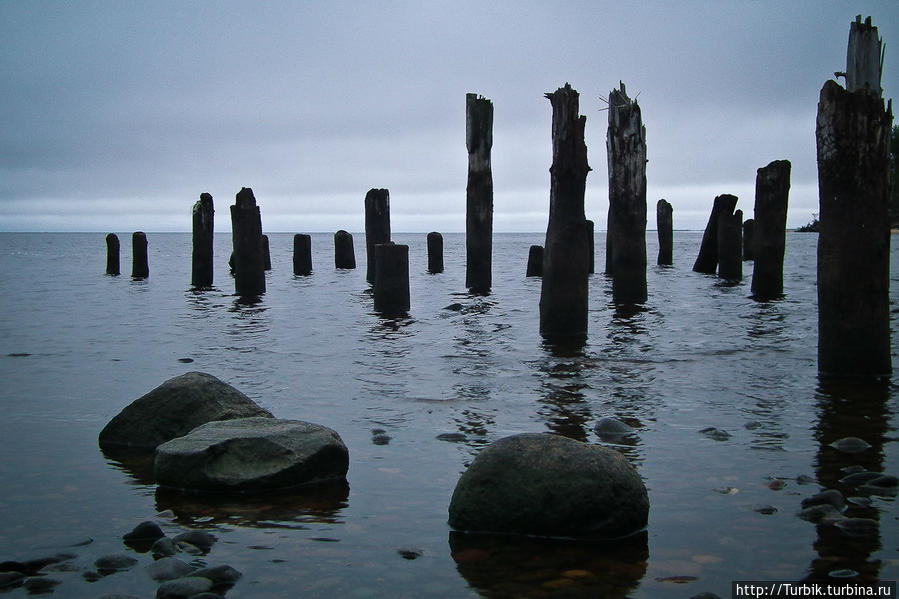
<point>626,143</point>
<point>344,254</point>
<point>749,236</point>
<point>435,252</point>
<point>302,254</point>
<point>479,194</point>
<point>112,254</point>
<point>201,259</point>
<point>853,132</point>
<point>377,226</point>
<point>246,239</point>
<point>535,261</point>
<point>665,226</point>
<point>391,287</point>
<point>730,246</point>
<point>564,288</point>
<point>707,260</point>
<point>266,254</point>
<point>591,247</point>
<point>769,234</point>
<point>140,263</point>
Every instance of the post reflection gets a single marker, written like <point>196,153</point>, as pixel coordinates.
<point>564,407</point>
<point>849,408</point>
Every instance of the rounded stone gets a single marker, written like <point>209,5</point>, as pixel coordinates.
<point>175,408</point>
<point>251,455</point>
<point>182,588</point>
<point>547,485</point>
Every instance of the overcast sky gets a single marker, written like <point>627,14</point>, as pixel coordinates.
<point>117,115</point>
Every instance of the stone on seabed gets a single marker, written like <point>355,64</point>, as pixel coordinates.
<point>548,485</point>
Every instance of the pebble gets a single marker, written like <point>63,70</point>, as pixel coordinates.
<point>828,496</point>
<point>168,568</point>
<point>145,531</point>
<point>850,445</point>
<point>164,547</point>
<point>452,437</point>
<point>219,574</point>
<point>108,564</point>
<point>858,478</point>
<point>767,510</point>
<point>715,434</point>
<point>805,479</point>
<point>612,429</point>
<point>182,588</point>
<point>40,585</point>
<point>197,538</point>
<point>380,439</point>
<point>457,307</point>
<point>777,484</point>
<point>410,554</point>
<point>820,513</point>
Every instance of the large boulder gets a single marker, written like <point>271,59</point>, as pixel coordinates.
<point>251,454</point>
<point>175,408</point>
<point>547,485</point>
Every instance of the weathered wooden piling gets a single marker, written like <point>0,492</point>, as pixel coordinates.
<point>246,237</point>
<point>479,194</point>
<point>266,254</point>
<point>626,143</point>
<point>853,132</point>
<point>591,247</point>
<point>201,258</point>
<point>377,226</point>
<point>112,255</point>
<point>535,261</point>
<point>707,260</point>
<point>302,254</point>
<point>435,252</point>
<point>140,263</point>
<point>344,254</point>
<point>730,246</point>
<point>769,233</point>
<point>665,227</point>
<point>391,287</point>
<point>749,237</point>
<point>563,291</point>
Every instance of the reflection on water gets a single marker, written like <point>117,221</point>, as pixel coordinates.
<point>501,566</point>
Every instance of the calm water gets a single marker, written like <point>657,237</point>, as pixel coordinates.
<point>77,346</point>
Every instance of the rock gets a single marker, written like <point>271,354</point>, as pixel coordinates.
<point>10,579</point>
<point>109,564</point>
<point>828,496</point>
<point>143,536</point>
<point>547,485</point>
<point>857,527</point>
<point>612,429</point>
<point>455,307</point>
<point>251,455</point>
<point>198,538</point>
<point>41,585</point>
<point>168,568</point>
<point>380,439</point>
<point>850,445</point>
<point>219,575</point>
<point>175,408</point>
<point>715,433</point>
<point>859,478</point>
<point>452,437</point>
<point>766,510</point>
<point>33,566</point>
<point>410,554</point>
<point>820,513</point>
<point>182,588</point>
<point>164,547</point>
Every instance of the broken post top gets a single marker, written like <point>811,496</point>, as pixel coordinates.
<point>245,198</point>
<point>478,123</point>
<point>378,201</point>
<point>569,148</point>
<point>621,108</point>
<point>206,200</point>
<point>864,58</point>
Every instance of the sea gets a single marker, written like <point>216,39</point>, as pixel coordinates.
<point>733,428</point>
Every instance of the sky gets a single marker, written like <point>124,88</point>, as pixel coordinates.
<point>118,115</point>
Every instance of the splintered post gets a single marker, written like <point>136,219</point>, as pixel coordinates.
<point>344,254</point>
<point>112,254</point>
<point>665,226</point>
<point>707,260</point>
<point>246,235</point>
<point>201,259</point>
<point>853,135</point>
<point>391,287</point>
<point>769,233</point>
<point>302,254</point>
<point>479,194</point>
<point>140,265</point>
<point>377,226</point>
<point>563,290</point>
<point>435,252</point>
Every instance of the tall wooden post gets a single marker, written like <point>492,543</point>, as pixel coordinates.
<point>535,261</point>
<point>749,237</point>
<point>246,239</point>
<point>201,259</point>
<point>730,246</point>
<point>377,226</point>
<point>591,246</point>
<point>391,287</point>
<point>112,254</point>
<point>853,132</point>
<point>266,254</point>
<point>479,194</point>
<point>435,252</point>
<point>302,254</point>
<point>769,234</point>
<point>707,260</point>
<point>563,292</point>
<point>626,143</point>
<point>344,254</point>
<point>140,263</point>
<point>665,226</point>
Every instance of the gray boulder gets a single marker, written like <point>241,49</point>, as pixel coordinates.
<point>547,485</point>
<point>251,454</point>
<point>175,408</point>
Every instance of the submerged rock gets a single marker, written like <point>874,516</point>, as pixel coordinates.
<point>175,408</point>
<point>182,588</point>
<point>109,564</point>
<point>716,434</point>
<point>827,496</point>
<point>547,485</point>
<point>250,455</point>
<point>612,429</point>
<point>850,445</point>
<point>168,568</point>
